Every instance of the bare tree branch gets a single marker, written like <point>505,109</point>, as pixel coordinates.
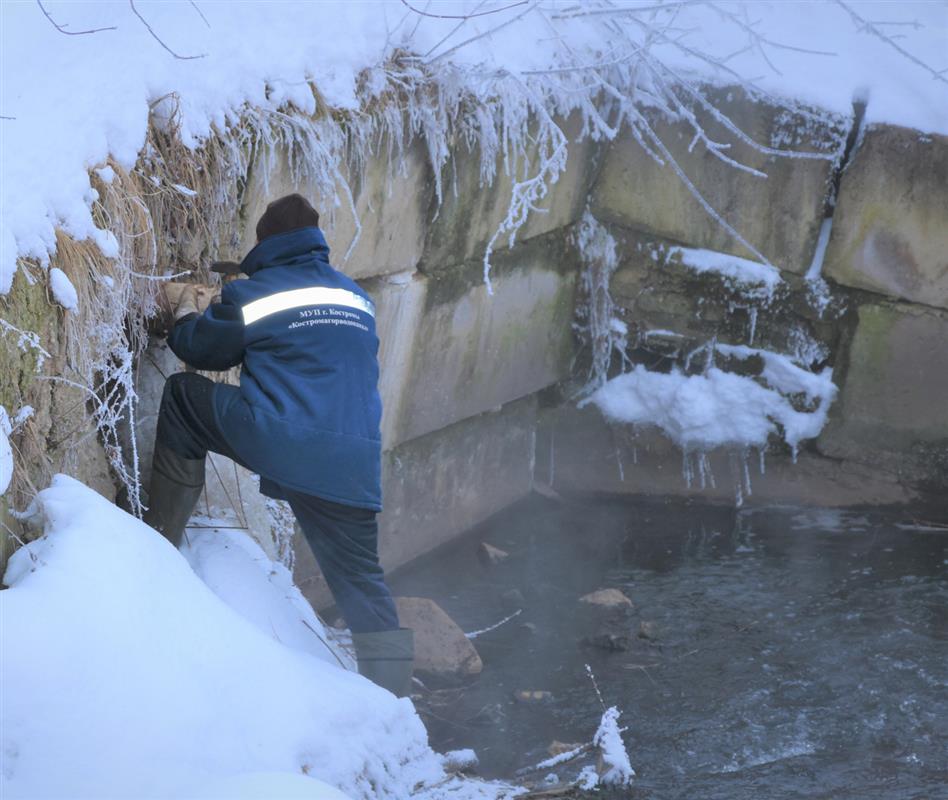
<point>157,38</point>
<point>62,28</point>
<point>465,16</point>
<point>200,13</point>
<point>870,27</point>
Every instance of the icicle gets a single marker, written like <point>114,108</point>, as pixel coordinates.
<point>686,468</point>
<point>619,462</point>
<point>746,472</point>
<point>552,470</point>
<point>763,466</point>
<point>752,314</point>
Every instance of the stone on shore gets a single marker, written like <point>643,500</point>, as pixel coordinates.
<point>442,651</point>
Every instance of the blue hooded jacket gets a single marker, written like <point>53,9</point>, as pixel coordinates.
<point>307,413</point>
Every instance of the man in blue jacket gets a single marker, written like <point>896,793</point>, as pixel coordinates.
<point>305,417</point>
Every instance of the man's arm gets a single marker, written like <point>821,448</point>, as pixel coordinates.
<point>213,340</point>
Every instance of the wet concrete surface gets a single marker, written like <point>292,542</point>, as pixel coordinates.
<point>787,652</point>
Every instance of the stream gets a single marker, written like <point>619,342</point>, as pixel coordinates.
<point>785,653</point>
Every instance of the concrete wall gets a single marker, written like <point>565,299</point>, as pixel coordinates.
<point>464,433</point>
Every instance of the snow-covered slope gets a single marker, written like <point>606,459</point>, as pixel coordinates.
<point>124,675</point>
<point>73,95</point>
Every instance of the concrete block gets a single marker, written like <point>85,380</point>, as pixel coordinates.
<point>892,405</point>
<point>890,229</point>
<point>400,306</point>
<point>391,201</point>
<point>473,352</point>
<point>780,215</point>
<point>470,213</point>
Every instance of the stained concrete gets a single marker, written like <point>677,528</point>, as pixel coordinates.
<point>890,228</point>
<point>779,214</point>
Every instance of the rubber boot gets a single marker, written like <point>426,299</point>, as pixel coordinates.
<point>386,658</point>
<point>176,485</point>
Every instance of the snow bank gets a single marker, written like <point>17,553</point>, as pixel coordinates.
<point>125,676</point>
<point>718,408</point>
<point>69,102</point>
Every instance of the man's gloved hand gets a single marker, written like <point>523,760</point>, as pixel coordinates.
<point>187,302</point>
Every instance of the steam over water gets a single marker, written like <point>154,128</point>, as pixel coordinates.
<point>796,653</point>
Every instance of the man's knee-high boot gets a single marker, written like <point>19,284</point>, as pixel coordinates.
<point>387,658</point>
<point>176,485</point>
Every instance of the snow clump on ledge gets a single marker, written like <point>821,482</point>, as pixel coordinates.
<point>732,268</point>
<point>124,675</point>
<point>718,408</point>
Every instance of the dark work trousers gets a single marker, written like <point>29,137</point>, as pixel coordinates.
<point>344,539</point>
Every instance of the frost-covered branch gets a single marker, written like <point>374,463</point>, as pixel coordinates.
<point>873,28</point>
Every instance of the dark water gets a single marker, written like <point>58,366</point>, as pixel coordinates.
<point>797,653</point>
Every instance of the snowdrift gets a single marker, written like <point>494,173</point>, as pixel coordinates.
<point>124,675</point>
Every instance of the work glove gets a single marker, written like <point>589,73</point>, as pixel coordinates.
<point>187,303</point>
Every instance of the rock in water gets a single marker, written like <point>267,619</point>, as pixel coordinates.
<point>608,613</point>
<point>442,651</point>
<point>607,598</point>
<point>490,556</point>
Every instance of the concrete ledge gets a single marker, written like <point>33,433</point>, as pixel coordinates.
<point>578,451</point>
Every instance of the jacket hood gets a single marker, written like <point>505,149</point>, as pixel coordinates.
<point>287,249</point>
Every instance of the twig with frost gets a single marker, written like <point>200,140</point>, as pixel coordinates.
<point>495,626</point>
<point>62,28</point>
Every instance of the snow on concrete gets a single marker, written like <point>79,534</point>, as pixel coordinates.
<point>64,292</point>
<point>124,675</point>
<point>739,270</point>
<point>69,102</point>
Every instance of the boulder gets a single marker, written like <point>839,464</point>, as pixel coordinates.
<point>889,232</point>
<point>441,648</point>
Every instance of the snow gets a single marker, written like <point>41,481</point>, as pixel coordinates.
<point>64,292</point>
<point>6,452</point>
<point>124,675</point>
<point>739,270</point>
<point>71,102</point>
